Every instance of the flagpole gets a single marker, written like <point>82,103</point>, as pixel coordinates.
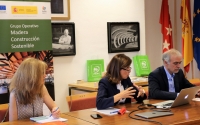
<point>175,26</point>
<point>185,74</point>
<point>192,67</point>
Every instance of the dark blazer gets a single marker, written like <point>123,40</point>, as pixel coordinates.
<point>158,84</point>
<point>107,90</point>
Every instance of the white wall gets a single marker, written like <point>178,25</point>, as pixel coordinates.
<point>153,32</point>
<point>90,18</point>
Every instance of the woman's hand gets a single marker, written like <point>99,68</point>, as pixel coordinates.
<point>140,90</point>
<point>55,112</point>
<point>128,93</point>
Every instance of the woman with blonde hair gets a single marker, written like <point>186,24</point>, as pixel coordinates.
<point>28,92</point>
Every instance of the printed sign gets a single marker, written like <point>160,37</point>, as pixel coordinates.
<point>94,70</point>
<point>25,26</point>
<point>141,65</point>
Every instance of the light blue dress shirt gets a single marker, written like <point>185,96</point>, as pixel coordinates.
<point>170,81</point>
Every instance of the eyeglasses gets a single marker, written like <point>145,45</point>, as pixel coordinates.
<point>176,63</point>
<point>127,69</point>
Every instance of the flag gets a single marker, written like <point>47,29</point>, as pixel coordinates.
<point>196,32</point>
<point>166,26</point>
<point>187,48</point>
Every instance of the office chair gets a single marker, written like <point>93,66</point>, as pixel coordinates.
<point>4,116</point>
<point>81,101</point>
<point>195,81</point>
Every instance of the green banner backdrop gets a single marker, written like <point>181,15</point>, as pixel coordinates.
<point>25,31</point>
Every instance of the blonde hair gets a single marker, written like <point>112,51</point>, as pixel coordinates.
<point>27,81</point>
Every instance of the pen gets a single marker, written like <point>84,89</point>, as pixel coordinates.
<point>113,112</point>
<point>54,111</point>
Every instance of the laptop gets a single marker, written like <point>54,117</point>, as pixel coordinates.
<point>153,114</point>
<point>184,97</point>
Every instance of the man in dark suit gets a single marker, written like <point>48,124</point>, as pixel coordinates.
<point>166,81</point>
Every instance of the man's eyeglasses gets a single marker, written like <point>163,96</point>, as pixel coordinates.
<point>176,63</point>
<point>127,69</point>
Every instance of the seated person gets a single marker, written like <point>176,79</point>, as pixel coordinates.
<point>116,87</point>
<point>166,81</point>
<point>66,38</point>
<point>28,92</point>
<point>64,41</point>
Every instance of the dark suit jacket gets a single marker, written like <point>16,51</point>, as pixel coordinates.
<point>158,84</point>
<point>107,90</point>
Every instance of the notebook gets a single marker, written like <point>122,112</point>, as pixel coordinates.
<point>153,114</point>
<point>44,119</point>
<point>109,111</point>
<point>184,97</point>
<point>52,123</point>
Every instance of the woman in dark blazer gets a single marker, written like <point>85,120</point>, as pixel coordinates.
<point>116,87</point>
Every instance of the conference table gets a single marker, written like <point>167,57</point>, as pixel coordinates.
<point>183,115</point>
<point>93,86</point>
<point>70,121</point>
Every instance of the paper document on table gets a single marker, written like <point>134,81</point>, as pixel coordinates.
<point>139,79</point>
<point>44,119</point>
<point>53,123</point>
<point>109,111</point>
